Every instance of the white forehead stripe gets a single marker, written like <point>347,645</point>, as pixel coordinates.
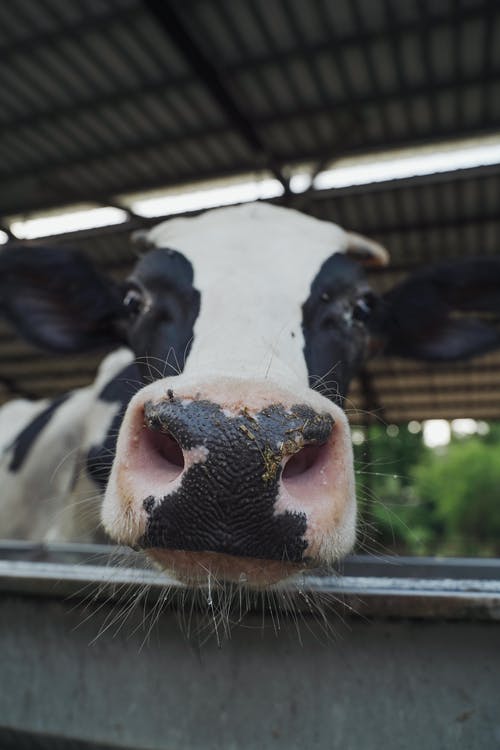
<point>241,218</point>
<point>253,265</point>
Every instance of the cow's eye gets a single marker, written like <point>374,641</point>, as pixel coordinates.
<point>364,306</point>
<point>133,302</point>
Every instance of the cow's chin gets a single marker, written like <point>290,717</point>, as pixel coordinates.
<point>198,569</point>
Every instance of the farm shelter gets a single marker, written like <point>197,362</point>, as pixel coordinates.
<point>103,100</point>
<point>108,102</point>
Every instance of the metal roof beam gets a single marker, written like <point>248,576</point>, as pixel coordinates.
<point>426,179</point>
<point>67,196</point>
<point>207,72</point>
<point>457,222</point>
<point>114,203</point>
<point>8,232</point>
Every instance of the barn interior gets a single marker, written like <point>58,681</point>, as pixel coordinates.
<point>381,115</point>
<point>108,104</point>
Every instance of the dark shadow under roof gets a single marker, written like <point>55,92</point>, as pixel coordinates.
<point>104,97</point>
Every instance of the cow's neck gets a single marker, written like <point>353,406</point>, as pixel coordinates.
<point>47,493</point>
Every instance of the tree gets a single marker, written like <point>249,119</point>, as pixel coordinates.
<point>415,500</point>
<point>384,465</point>
<point>461,490</point>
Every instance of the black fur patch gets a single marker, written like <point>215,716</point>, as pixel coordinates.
<point>24,441</point>
<point>227,503</point>
<point>162,333</point>
<point>335,340</point>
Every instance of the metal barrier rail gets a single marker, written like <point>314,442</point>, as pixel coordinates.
<point>395,587</point>
<point>419,666</point>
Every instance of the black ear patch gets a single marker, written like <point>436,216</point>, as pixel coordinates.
<point>446,312</point>
<point>227,503</point>
<point>335,339</point>
<point>57,300</point>
<point>161,336</point>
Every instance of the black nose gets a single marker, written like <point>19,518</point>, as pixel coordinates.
<point>226,501</point>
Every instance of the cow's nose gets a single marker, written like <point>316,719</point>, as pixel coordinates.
<point>234,477</point>
<point>216,477</point>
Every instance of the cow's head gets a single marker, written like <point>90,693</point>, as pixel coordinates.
<point>250,322</point>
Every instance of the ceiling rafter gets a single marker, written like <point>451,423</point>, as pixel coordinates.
<point>7,230</point>
<point>69,195</point>
<point>207,72</point>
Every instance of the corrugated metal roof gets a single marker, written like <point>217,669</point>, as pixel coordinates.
<point>105,97</point>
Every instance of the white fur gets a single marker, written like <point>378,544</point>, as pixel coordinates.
<point>253,265</point>
<point>50,497</point>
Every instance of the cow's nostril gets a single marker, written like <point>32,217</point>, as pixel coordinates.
<point>168,448</point>
<point>302,462</point>
<point>168,453</point>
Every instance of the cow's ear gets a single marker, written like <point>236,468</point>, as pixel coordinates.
<point>57,300</point>
<point>446,312</point>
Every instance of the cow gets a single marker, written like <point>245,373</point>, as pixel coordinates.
<point>214,437</point>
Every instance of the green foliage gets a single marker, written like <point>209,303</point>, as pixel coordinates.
<point>461,489</point>
<point>384,466</point>
<point>414,500</point>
